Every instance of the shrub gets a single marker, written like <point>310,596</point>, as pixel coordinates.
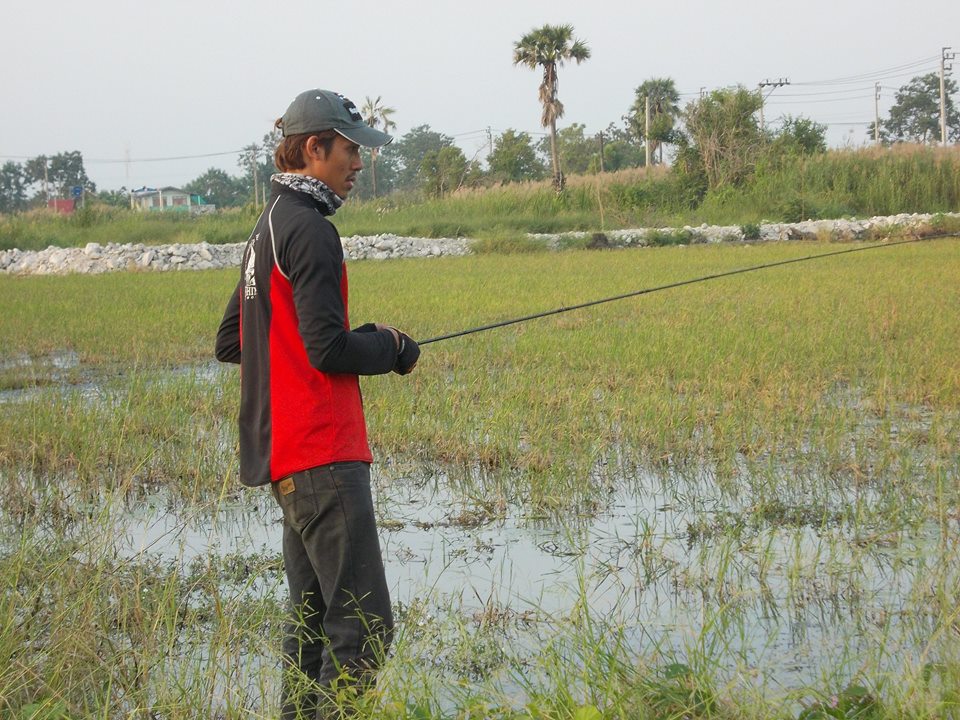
<point>660,238</point>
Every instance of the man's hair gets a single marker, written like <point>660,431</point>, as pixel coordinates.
<point>289,153</point>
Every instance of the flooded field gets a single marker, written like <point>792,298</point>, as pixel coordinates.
<point>743,504</point>
<point>783,600</point>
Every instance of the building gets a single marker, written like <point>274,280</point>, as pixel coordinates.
<point>169,198</point>
<point>64,206</point>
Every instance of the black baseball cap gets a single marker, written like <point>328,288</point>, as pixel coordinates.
<point>318,110</point>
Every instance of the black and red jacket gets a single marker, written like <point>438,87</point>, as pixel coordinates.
<point>287,325</point>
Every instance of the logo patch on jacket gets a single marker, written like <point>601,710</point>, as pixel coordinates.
<point>249,278</point>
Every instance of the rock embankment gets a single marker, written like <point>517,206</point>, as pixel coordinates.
<point>97,258</point>
<point>852,229</point>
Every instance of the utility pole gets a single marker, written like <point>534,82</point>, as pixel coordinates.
<point>876,114</point>
<point>256,185</point>
<point>703,93</point>
<point>490,140</point>
<point>126,167</point>
<point>945,55</point>
<point>773,85</point>
<point>600,135</point>
<point>646,131</point>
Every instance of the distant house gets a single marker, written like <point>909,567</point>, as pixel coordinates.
<point>169,198</point>
<point>61,205</point>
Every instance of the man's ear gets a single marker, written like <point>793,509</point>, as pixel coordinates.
<point>315,149</point>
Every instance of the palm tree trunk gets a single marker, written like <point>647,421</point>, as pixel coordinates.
<point>557,175</point>
<point>373,169</point>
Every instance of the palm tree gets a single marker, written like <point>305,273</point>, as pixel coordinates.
<point>549,47</point>
<point>376,115</point>
<point>664,100</point>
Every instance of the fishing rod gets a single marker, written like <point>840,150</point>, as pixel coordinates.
<point>668,286</point>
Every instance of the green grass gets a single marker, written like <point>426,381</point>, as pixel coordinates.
<point>817,404</point>
<point>744,366</point>
<point>39,229</point>
<point>131,319</point>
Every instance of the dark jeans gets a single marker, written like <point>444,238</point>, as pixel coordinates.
<point>341,623</point>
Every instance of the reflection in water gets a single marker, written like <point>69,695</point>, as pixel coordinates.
<point>783,601</point>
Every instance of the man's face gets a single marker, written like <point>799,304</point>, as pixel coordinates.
<point>339,168</point>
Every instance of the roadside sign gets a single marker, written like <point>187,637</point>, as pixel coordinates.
<point>76,191</point>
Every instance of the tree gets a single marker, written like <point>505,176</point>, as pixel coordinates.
<point>443,170</point>
<point>13,188</point>
<point>59,173</point>
<point>36,171</point>
<point>376,115</point>
<point>514,159</point>
<point>576,152</point>
<point>410,151</point>
<point>549,47</point>
<point>620,149</point>
<point>218,188</point>
<point>725,134</point>
<point>664,108</point>
<point>915,115</point>
<point>67,171</point>
<point>801,136</point>
<point>114,198</point>
<point>388,165</point>
<point>256,160</point>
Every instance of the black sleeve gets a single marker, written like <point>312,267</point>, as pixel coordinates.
<point>312,257</point>
<point>228,336</point>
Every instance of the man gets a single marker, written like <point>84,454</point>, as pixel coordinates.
<point>302,429</point>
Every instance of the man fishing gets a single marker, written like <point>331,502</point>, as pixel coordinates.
<point>302,428</point>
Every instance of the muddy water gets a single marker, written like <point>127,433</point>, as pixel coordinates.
<point>783,604</point>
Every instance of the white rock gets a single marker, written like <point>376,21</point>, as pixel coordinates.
<point>96,258</point>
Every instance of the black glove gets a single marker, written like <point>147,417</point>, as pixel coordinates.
<point>407,356</point>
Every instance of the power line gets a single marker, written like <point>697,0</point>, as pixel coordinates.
<point>165,159</point>
<point>873,75</point>
<point>817,102</point>
<point>132,160</point>
<point>826,92</point>
<point>469,132</point>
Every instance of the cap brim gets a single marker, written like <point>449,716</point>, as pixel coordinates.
<point>366,136</point>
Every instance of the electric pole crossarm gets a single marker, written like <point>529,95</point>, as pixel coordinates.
<point>773,85</point>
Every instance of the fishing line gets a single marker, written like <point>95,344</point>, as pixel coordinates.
<point>681,283</point>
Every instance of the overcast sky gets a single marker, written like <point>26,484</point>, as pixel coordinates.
<point>172,78</point>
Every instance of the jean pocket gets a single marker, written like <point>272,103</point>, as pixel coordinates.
<point>350,473</point>
<point>297,499</point>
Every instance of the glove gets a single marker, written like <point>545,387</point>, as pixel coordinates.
<point>365,328</point>
<point>407,356</point>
